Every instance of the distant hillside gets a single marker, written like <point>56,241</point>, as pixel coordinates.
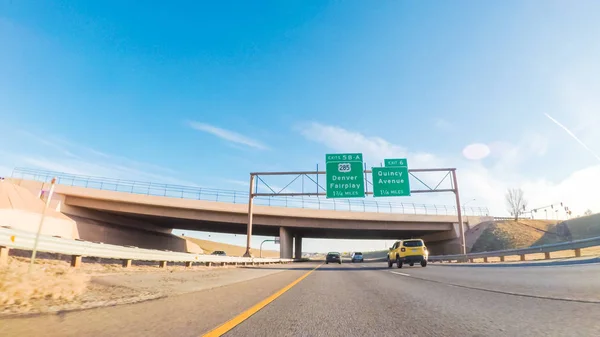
<point>510,234</point>
<point>376,254</point>
<point>230,250</point>
<point>575,229</point>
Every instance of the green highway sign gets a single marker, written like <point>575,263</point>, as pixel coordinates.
<point>390,182</point>
<point>344,175</point>
<point>396,162</point>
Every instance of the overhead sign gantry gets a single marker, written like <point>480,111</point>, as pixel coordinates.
<point>346,176</point>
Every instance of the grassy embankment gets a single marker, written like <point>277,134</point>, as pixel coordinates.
<point>512,234</point>
<point>230,250</point>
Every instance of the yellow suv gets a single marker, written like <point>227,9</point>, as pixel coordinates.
<point>408,251</point>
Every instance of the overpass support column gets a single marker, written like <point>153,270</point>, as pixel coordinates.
<point>286,241</point>
<point>298,247</point>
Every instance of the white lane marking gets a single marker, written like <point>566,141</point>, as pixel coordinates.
<point>403,274</point>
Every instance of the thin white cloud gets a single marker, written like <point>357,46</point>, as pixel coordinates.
<point>46,141</point>
<point>50,165</point>
<point>96,168</point>
<point>124,163</point>
<point>228,135</point>
<point>509,159</point>
<point>574,136</point>
<point>237,182</point>
<point>486,184</point>
<point>73,150</point>
<point>578,98</point>
<point>64,156</point>
<point>537,144</point>
<point>375,149</point>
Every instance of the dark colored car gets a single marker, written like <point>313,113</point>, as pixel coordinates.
<point>219,253</point>
<point>333,257</point>
<point>357,257</point>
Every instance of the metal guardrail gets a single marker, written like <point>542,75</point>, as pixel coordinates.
<point>240,197</point>
<point>510,218</point>
<point>554,247</point>
<point>19,239</point>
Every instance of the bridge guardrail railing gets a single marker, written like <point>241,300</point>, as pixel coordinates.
<point>18,239</point>
<point>575,245</point>
<point>241,197</point>
<point>500,218</point>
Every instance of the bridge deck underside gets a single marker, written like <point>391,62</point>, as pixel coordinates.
<point>270,230</point>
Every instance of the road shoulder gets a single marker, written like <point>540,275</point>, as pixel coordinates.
<point>190,314</point>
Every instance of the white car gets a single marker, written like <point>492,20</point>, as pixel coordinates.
<point>357,257</point>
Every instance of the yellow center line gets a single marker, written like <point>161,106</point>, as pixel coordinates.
<point>232,323</point>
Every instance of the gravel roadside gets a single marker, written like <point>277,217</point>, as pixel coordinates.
<point>55,287</point>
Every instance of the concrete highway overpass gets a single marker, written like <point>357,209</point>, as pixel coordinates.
<point>103,215</point>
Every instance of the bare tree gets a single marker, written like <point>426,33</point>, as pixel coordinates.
<point>515,201</point>
<point>588,212</point>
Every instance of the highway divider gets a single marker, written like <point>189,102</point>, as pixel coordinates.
<point>18,239</point>
<point>575,245</point>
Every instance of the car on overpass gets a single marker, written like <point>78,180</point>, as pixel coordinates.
<point>357,257</point>
<point>408,251</point>
<point>219,253</point>
<point>333,257</point>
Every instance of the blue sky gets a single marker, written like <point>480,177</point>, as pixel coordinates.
<point>195,93</point>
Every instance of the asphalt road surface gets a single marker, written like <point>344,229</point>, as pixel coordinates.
<point>363,299</point>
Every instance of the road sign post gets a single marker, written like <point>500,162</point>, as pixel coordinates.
<point>276,241</point>
<point>39,231</point>
<point>249,228</point>
<point>345,175</point>
<point>461,225</point>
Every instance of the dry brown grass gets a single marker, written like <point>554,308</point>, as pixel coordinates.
<point>511,234</point>
<point>54,286</point>
<point>524,233</point>
<point>231,250</point>
<point>45,285</point>
<point>585,226</point>
<point>99,267</point>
